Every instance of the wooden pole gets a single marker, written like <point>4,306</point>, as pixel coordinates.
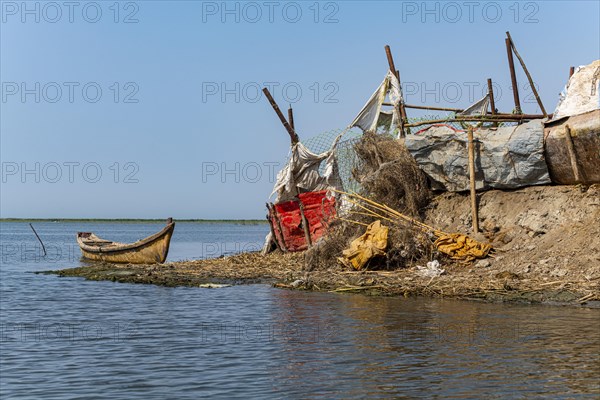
<point>291,118</point>
<point>513,76</point>
<point>401,110</point>
<point>402,105</point>
<point>571,71</point>
<point>529,78</point>
<point>282,245</point>
<point>293,136</point>
<point>403,117</point>
<point>572,154</point>
<point>491,94</point>
<point>474,213</point>
<point>275,239</point>
<point>390,58</point>
<point>305,226</point>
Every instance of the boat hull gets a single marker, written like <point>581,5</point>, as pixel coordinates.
<point>151,250</point>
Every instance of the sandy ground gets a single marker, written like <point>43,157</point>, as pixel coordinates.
<point>546,241</point>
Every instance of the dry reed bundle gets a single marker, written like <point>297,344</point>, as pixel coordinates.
<point>390,175</point>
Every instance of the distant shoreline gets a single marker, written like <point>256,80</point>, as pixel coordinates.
<point>133,220</point>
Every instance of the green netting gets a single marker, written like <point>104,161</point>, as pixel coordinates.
<point>455,125</point>
<point>345,155</point>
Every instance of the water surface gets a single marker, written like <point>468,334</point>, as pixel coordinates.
<point>71,338</point>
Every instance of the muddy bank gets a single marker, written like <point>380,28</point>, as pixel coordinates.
<point>546,240</point>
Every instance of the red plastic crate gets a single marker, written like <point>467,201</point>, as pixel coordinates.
<point>319,210</point>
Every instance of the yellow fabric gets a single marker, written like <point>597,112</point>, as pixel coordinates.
<point>372,243</point>
<point>461,247</point>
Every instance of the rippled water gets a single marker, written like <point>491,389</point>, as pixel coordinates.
<point>71,338</point>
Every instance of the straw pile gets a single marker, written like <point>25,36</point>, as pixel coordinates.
<point>388,174</point>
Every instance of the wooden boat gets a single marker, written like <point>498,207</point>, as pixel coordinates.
<point>151,250</point>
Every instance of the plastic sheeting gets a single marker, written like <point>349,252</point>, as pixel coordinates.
<point>478,108</point>
<point>581,94</point>
<point>371,116</point>
<point>301,173</point>
<point>505,157</point>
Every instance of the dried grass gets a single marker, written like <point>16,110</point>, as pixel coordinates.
<point>285,270</point>
<point>388,174</point>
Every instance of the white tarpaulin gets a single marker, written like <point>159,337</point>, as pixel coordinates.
<point>478,108</point>
<point>301,173</point>
<point>371,116</point>
<point>505,158</point>
<point>581,94</point>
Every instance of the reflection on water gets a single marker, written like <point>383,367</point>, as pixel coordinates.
<point>385,346</point>
<point>71,338</point>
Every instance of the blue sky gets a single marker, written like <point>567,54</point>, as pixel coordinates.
<point>149,109</point>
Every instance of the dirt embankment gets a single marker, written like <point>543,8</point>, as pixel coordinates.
<point>546,241</point>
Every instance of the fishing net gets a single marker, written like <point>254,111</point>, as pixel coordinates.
<point>379,166</point>
<point>345,155</point>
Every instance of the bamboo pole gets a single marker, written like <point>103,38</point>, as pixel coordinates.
<point>370,214</point>
<point>474,213</point>
<point>390,211</point>
<point>525,116</point>
<point>572,154</point>
<point>529,78</point>
<point>487,118</point>
<point>431,108</point>
<point>293,136</point>
<point>351,221</point>
<point>369,211</point>
<point>513,76</point>
<point>458,110</point>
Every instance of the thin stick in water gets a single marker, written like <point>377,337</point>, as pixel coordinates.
<point>38,238</point>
